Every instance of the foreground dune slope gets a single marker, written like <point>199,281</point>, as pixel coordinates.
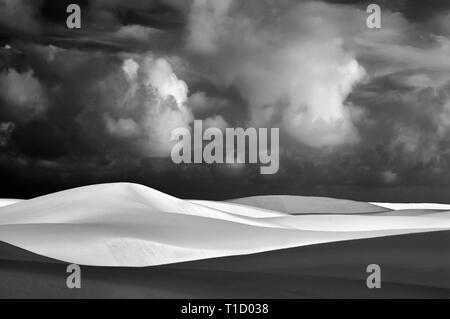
<point>413,266</point>
<point>131,225</point>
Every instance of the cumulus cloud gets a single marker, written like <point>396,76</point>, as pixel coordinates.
<point>138,69</point>
<point>207,20</point>
<point>293,75</point>
<point>158,73</point>
<point>148,101</point>
<point>136,32</point>
<point>215,121</point>
<point>405,97</point>
<point>312,69</point>
<point>200,102</point>
<point>23,95</point>
<point>122,128</point>
<point>425,132</point>
<point>125,103</point>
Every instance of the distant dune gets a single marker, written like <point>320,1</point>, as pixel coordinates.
<point>404,206</point>
<point>108,228</point>
<point>296,205</point>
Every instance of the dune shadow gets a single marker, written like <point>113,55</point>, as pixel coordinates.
<point>413,266</point>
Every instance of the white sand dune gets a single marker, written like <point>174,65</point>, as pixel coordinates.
<point>124,224</point>
<point>404,206</point>
<point>8,201</point>
<point>239,209</point>
<point>352,223</point>
<point>296,205</point>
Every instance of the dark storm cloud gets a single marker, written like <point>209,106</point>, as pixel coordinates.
<point>92,102</point>
<point>6,128</point>
<point>20,17</point>
<point>414,10</point>
<point>106,25</point>
<point>98,104</point>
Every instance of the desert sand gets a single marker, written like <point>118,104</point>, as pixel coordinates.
<point>127,231</point>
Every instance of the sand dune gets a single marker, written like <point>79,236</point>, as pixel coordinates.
<point>309,205</point>
<point>413,266</point>
<point>240,209</point>
<point>8,201</point>
<point>131,225</point>
<point>406,206</point>
<point>349,223</point>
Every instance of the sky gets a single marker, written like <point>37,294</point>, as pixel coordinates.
<point>363,113</point>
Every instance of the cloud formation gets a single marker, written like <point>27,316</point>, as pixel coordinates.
<point>22,94</point>
<point>146,103</point>
<point>354,106</point>
<point>20,15</point>
<point>293,72</point>
<point>6,128</point>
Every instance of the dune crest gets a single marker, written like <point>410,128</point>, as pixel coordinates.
<point>123,224</point>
